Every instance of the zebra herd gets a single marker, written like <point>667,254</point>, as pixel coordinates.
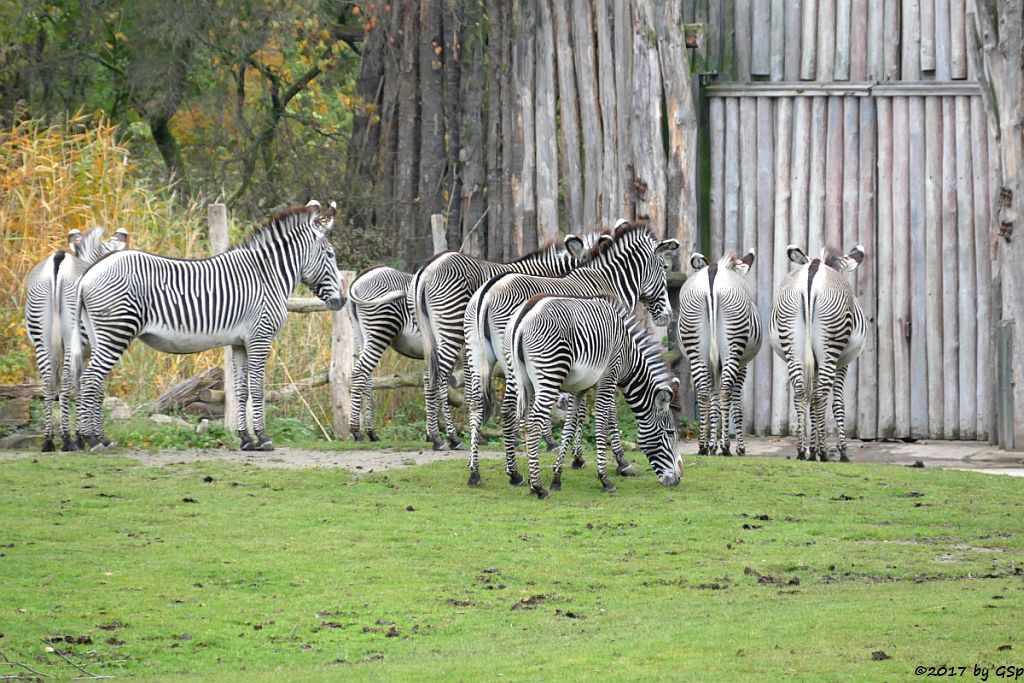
<point>559,320</point>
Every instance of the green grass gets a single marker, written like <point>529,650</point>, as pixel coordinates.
<point>234,572</point>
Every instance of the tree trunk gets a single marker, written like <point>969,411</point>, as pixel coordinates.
<point>471,151</point>
<point>572,170</point>
<point>999,33</point>
<point>432,101</point>
<point>407,158</point>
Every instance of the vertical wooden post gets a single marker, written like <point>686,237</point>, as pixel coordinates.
<point>438,232</point>
<point>1004,384</point>
<point>780,264</point>
<point>217,219</point>
<point>919,239</point>
<point>899,262</point>
<point>867,289</point>
<point>883,302</point>
<point>933,263</point>
<point>340,374</point>
<point>764,269</point>
<point>968,278</point>
<point>950,274</point>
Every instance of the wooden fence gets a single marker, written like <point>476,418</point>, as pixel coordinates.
<point>907,177</point>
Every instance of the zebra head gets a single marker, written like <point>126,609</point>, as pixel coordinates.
<point>654,283</point>
<point>656,434</point>
<point>320,270</point>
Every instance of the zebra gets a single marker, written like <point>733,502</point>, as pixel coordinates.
<point>441,290</point>
<point>237,298</point>
<point>573,344</point>
<point>51,291</point>
<point>378,304</point>
<point>720,330</point>
<point>628,263</point>
<point>818,328</point>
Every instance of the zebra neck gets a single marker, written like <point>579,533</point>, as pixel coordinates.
<point>278,262</point>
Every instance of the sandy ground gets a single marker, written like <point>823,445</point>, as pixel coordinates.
<point>965,455</point>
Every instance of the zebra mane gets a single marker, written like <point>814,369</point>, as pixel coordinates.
<point>646,344</point>
<point>623,231</point>
<point>283,222</point>
<point>91,248</point>
<point>832,257</point>
<point>554,245</point>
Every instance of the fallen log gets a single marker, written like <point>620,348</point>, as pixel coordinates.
<point>21,390</point>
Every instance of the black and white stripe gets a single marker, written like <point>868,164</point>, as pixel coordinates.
<point>572,344</point>
<point>720,331</point>
<point>628,264</point>
<point>237,298</point>
<point>442,288</point>
<point>379,304</point>
<point>52,291</point>
<point>818,328</point>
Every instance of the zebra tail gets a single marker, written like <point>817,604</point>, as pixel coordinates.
<point>76,339</point>
<point>714,352</point>
<point>55,344</point>
<point>482,368</point>
<point>808,360</point>
<point>523,387</point>
<point>422,316</point>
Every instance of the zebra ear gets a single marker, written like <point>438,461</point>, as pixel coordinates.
<point>74,239</point>
<point>666,246</point>
<point>121,238</point>
<point>574,245</point>
<point>743,265</point>
<point>850,262</point>
<point>796,254</point>
<point>698,261</point>
<point>675,404</point>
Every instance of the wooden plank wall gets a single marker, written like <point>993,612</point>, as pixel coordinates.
<point>907,177</point>
<point>832,40</point>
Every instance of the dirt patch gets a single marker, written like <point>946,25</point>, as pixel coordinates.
<point>360,461</point>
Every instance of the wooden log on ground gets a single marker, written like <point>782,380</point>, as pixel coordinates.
<point>966,271</point>
<point>885,357</point>
<point>950,274</point>
<point>211,395</point>
<point>21,391</point>
<point>188,391</point>
<point>933,263</point>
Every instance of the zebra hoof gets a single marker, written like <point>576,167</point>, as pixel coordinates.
<point>80,442</point>
<point>741,452</point>
<point>95,443</point>
<point>726,452</point>
<point>372,435</point>
<point>626,470</point>
<point>515,479</point>
<point>702,450</point>
<point>800,455</point>
<point>822,456</point>
<point>843,457</point>
<point>475,480</point>
<point>578,463</point>
<point>48,446</point>
<point>608,487</point>
<point>556,484</point>
<point>540,492</point>
<point>70,445</point>
<point>438,445</point>
<point>357,435</point>
<point>265,444</point>
<point>455,444</point>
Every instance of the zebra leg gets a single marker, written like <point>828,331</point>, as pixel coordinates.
<point>66,392</point>
<point>430,396</point>
<point>257,370</point>
<point>623,467</point>
<point>50,390</point>
<point>446,364</point>
<point>106,350</point>
<point>577,414</point>
<point>604,406</point>
<point>796,381</point>
<point>839,411</point>
<point>475,408</point>
<point>240,363</point>
<point>704,403</point>
<point>369,356</point>
<point>568,435</point>
<point>369,417</point>
<point>737,410</point>
<point>539,413</point>
<point>509,429</point>
<point>818,409</point>
<point>714,418</point>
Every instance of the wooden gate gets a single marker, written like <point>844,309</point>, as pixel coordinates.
<point>899,166</point>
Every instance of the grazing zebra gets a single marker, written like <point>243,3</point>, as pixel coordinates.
<point>51,293</point>
<point>818,328</point>
<point>237,298</point>
<point>574,344</point>
<point>378,303</point>
<point>720,330</point>
<point>442,288</point>
<point>628,264</point>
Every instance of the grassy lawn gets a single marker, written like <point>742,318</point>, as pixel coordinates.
<point>752,567</point>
